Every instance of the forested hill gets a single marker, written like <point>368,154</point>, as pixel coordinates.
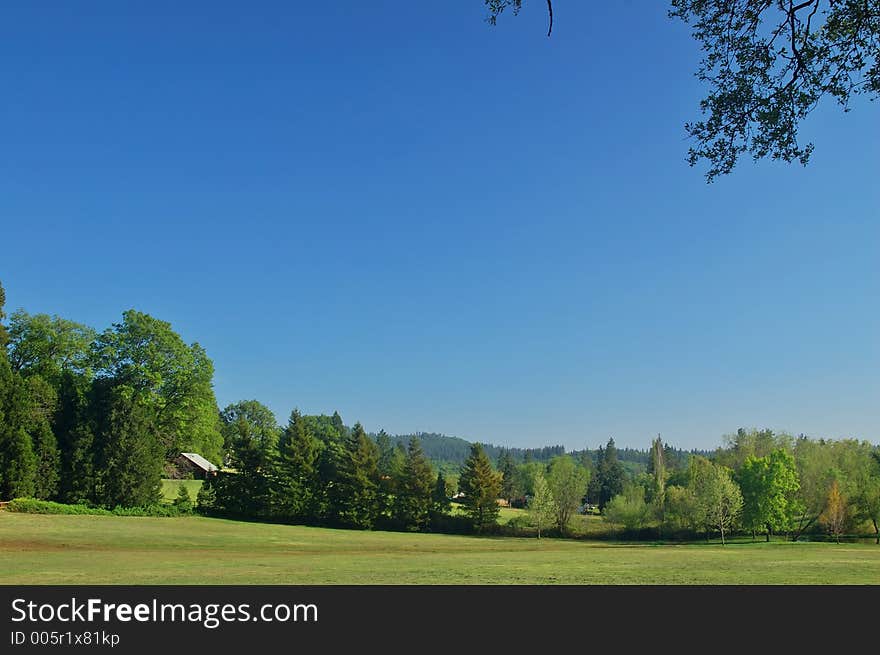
<point>455,450</point>
<point>442,449</point>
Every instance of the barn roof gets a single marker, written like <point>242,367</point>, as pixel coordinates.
<point>199,461</point>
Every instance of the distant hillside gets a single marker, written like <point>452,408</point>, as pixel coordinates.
<point>449,453</point>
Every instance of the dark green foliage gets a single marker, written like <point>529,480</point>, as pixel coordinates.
<point>355,492</point>
<point>390,465</point>
<point>4,334</point>
<point>34,506</point>
<point>481,487</point>
<point>296,474</point>
<point>440,496</point>
<point>507,468</point>
<point>609,477</point>
<point>206,499</point>
<point>415,490</point>
<point>249,419</point>
<point>74,429</point>
<point>18,463</point>
<point>129,453</point>
<point>45,448</point>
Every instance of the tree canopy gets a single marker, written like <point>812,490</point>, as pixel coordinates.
<point>767,65</point>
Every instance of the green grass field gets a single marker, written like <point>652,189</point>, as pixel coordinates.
<point>170,488</point>
<point>47,549</point>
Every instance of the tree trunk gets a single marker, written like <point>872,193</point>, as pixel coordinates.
<point>876,531</point>
<point>722,534</point>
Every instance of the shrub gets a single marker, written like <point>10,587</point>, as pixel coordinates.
<point>34,506</point>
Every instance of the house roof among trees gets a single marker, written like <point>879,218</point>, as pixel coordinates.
<point>199,461</point>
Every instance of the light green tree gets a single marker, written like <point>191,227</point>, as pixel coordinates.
<point>628,509</point>
<point>170,377</point>
<point>542,507</point>
<point>718,498</point>
<point>568,483</point>
<point>768,486</point>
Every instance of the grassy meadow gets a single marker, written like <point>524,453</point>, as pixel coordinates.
<point>52,549</point>
<point>170,489</point>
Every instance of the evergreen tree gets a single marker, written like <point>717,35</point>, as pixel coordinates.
<point>297,473</point>
<point>75,435</point>
<point>18,463</point>
<point>609,477</point>
<point>355,501</point>
<point>414,493</point>
<point>481,487</point>
<point>47,461</point>
<point>130,455</point>
<point>183,503</point>
<point>507,468</point>
<point>440,496</point>
<point>390,465</point>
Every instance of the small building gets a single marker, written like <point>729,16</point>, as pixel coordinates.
<point>194,465</point>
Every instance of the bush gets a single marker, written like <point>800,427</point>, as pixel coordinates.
<point>34,506</point>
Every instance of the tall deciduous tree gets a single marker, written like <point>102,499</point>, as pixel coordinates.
<point>47,346</point>
<point>542,506</point>
<point>865,484</point>
<point>481,487</point>
<point>718,497</point>
<point>835,514</point>
<point>568,483</point>
<point>171,377</point>
<point>769,485</point>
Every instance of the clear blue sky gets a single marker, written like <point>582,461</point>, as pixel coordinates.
<point>394,210</point>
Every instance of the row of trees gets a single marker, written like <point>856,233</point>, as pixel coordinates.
<point>96,417</point>
<point>317,471</point>
<point>89,416</point>
<point>759,483</point>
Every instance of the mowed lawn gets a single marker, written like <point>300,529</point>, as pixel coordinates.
<point>51,549</point>
<point>170,489</point>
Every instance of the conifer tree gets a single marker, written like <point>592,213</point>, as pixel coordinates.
<point>355,501</point>
<point>507,468</point>
<point>130,453</point>
<point>481,487</point>
<point>297,473</point>
<point>440,496</point>
<point>414,493</point>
